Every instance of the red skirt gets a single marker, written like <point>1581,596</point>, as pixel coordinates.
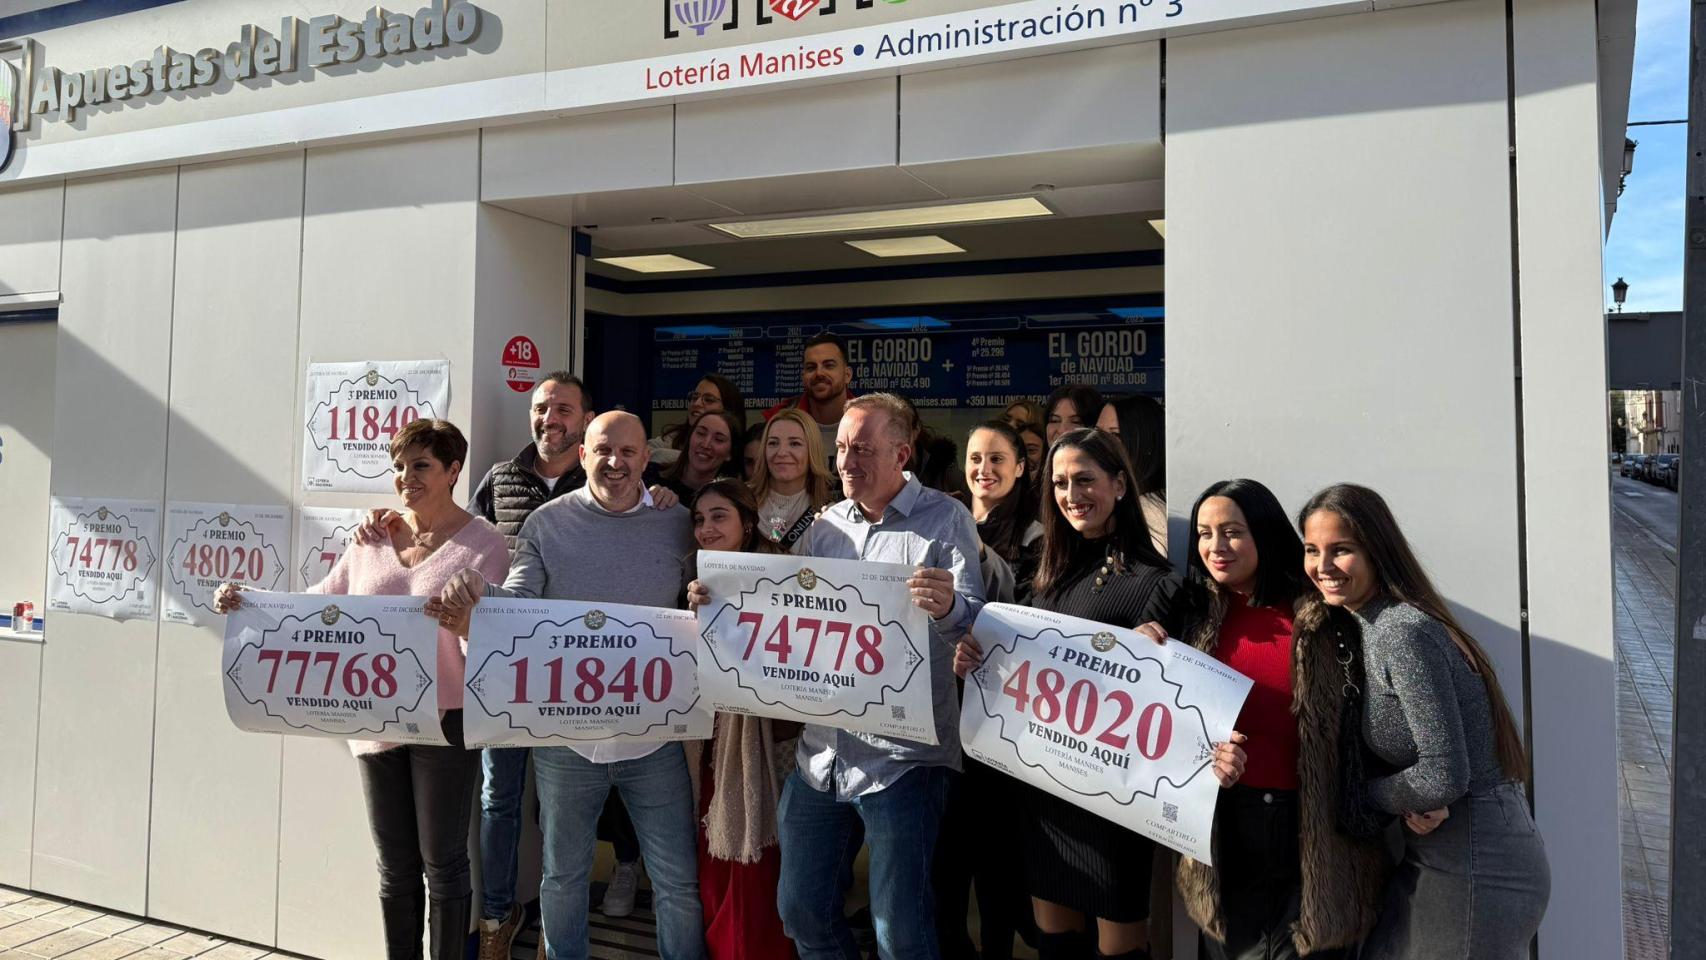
<point>739,900</point>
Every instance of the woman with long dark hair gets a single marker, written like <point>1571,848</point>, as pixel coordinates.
<point>1287,882</point>
<point>1141,425</point>
<point>736,775</point>
<point>1089,877</point>
<point>1036,444</point>
<point>713,392</point>
<point>1004,504</point>
<point>1474,878</point>
<point>710,453</point>
<point>1073,406</point>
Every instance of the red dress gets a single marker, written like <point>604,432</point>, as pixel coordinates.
<point>739,899</point>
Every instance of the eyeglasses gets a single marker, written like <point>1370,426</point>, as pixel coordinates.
<point>704,398</point>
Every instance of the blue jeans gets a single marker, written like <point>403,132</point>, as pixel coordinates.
<point>820,837</point>
<point>505,778</point>
<point>659,798</point>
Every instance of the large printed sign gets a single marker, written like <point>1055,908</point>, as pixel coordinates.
<point>213,543</point>
<point>322,536</point>
<point>353,411</point>
<point>333,666</point>
<point>104,557</point>
<point>1104,718</point>
<point>833,642</point>
<point>558,672</point>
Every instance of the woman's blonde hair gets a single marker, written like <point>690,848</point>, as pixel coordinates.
<point>819,484</point>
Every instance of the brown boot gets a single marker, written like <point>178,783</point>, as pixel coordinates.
<point>496,938</point>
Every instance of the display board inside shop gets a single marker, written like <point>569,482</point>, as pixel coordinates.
<point>940,361</point>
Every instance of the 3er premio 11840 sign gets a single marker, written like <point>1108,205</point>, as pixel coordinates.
<point>352,412</point>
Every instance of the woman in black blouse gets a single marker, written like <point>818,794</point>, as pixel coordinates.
<point>1089,877</point>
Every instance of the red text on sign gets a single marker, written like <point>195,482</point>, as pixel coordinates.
<point>868,659</point>
<point>1079,707</point>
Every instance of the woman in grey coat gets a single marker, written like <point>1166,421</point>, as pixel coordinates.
<point>1474,879</point>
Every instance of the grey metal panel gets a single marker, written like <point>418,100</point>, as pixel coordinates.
<point>1645,350</point>
<point>844,126</point>
<point>30,222</point>
<point>1088,98</point>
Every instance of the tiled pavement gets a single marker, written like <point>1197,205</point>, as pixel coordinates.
<point>1645,572</point>
<point>35,927</point>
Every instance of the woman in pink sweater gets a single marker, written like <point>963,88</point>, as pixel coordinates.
<point>418,797</point>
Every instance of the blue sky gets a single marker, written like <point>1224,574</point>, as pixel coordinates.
<point>1645,246</point>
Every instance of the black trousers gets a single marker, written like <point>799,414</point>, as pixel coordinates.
<point>615,826</point>
<point>419,799</point>
<point>1261,882</point>
<point>975,844</point>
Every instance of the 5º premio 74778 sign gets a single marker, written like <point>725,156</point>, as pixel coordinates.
<point>362,668</point>
<point>1104,718</point>
<point>212,543</point>
<point>561,672</point>
<point>354,409</point>
<point>832,642</point>
<point>104,557</point>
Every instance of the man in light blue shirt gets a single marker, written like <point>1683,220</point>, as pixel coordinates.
<point>894,789</point>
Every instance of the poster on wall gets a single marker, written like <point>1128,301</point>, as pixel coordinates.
<point>322,536</point>
<point>212,543</point>
<point>1103,718</point>
<point>104,557</point>
<point>353,411</point>
<point>814,640</point>
<point>364,668</point>
<point>559,672</point>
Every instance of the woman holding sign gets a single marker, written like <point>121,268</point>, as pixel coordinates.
<point>1288,882</point>
<point>1100,564</point>
<point>790,480</point>
<point>419,797</point>
<point>1474,879</point>
<point>737,777</point>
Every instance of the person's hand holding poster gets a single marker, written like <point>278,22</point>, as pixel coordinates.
<point>833,642</point>
<point>1103,717</point>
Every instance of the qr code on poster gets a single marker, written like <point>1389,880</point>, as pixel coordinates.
<point>899,712</point>
<point>681,728</point>
<point>1170,812</point>
<point>412,727</point>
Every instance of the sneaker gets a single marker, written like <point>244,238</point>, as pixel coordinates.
<point>619,896</point>
<point>497,936</point>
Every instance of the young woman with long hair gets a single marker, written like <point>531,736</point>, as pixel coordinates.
<point>1287,883</point>
<point>1036,444</point>
<point>1089,877</point>
<point>1474,878</point>
<point>1141,425</point>
<point>1073,406</point>
<point>1021,412</point>
<point>737,775</point>
<point>1004,504</point>
<point>710,453</point>
<point>791,479</point>
<point>713,392</point>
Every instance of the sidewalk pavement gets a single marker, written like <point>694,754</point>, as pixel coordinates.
<point>34,927</point>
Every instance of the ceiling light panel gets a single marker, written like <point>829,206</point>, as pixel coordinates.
<point>656,263</point>
<point>981,211</point>
<point>906,246</point>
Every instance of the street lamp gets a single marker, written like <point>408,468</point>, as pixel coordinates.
<point>1619,292</point>
<point>1628,163</point>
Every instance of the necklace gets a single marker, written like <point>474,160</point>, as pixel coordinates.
<point>430,540</point>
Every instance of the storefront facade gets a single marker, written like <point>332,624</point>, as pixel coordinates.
<point>1381,263</point>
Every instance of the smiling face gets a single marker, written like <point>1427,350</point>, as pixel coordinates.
<point>993,467</point>
<point>616,449</point>
<point>1084,493</point>
<point>559,418</point>
<point>704,398</point>
<point>1224,543</point>
<point>717,524</point>
<point>868,457</point>
<point>709,446</point>
<point>785,452</point>
<point>1336,563</point>
<point>824,372</point>
<point>420,479</point>
<point>1063,418</point>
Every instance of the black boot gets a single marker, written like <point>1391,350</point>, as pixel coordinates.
<point>1062,946</point>
<point>449,922</point>
<point>403,918</point>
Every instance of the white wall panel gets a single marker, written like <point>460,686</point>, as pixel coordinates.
<point>97,707</point>
<point>30,221</point>
<point>388,249</point>
<point>1339,283</point>
<point>26,447</point>
<point>843,126</point>
<point>213,847</point>
<point>1565,437</point>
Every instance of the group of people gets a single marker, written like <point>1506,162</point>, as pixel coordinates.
<point>1372,795</point>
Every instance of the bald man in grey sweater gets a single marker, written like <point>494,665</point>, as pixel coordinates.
<point>602,544</point>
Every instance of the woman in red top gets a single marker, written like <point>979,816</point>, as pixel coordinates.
<point>1287,883</point>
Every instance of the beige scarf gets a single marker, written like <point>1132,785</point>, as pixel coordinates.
<point>745,787</point>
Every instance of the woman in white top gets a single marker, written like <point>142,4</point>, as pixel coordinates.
<point>791,480</point>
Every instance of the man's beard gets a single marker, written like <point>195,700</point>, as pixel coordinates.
<point>550,450</point>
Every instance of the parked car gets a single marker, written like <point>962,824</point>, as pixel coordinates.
<point>1631,465</point>
<point>1676,475</point>
<point>1617,458</point>
<point>1663,470</point>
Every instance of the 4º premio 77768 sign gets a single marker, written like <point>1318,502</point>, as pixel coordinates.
<point>833,642</point>
<point>1104,718</point>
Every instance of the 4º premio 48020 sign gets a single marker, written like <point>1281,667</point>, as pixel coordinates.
<point>833,642</point>
<point>1104,718</point>
<point>212,543</point>
<point>353,411</point>
<point>362,668</point>
<point>561,672</point>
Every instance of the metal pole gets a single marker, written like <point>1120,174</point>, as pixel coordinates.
<point>1688,787</point>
